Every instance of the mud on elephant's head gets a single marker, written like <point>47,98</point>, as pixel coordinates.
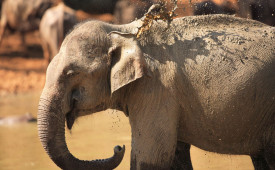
<point>95,61</point>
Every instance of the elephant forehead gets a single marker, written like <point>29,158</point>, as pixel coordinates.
<point>86,45</point>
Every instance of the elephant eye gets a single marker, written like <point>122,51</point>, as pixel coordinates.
<point>71,73</point>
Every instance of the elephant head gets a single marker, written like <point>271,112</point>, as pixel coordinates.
<point>94,62</point>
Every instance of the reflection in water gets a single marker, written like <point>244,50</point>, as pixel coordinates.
<point>92,137</point>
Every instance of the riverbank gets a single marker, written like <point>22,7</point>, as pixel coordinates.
<point>22,69</point>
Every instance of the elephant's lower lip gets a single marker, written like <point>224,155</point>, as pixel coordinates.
<point>71,115</point>
<point>70,118</point>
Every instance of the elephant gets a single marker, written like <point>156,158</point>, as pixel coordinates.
<point>22,15</point>
<point>260,10</point>
<point>92,6</point>
<point>55,24</point>
<point>207,81</point>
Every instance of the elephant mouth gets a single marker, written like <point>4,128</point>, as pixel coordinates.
<point>70,118</point>
<point>72,115</point>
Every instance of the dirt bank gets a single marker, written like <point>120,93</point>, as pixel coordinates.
<point>22,68</point>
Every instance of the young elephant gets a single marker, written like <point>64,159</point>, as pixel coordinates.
<point>54,25</point>
<point>22,15</point>
<point>208,81</point>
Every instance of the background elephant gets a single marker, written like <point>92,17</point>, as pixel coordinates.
<point>208,81</point>
<point>209,7</point>
<point>261,10</point>
<point>22,15</point>
<point>54,25</point>
<point>92,6</point>
<point>127,11</point>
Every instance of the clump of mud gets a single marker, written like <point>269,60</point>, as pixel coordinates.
<point>156,12</point>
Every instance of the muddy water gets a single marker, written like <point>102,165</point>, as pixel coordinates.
<point>92,137</point>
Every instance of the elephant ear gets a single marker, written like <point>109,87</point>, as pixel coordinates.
<point>128,63</point>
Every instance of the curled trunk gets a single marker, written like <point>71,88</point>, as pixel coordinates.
<point>51,129</point>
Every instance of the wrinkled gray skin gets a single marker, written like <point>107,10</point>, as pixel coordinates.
<point>54,25</point>
<point>22,15</point>
<point>208,81</point>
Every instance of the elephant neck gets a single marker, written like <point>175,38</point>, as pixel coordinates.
<point>119,100</point>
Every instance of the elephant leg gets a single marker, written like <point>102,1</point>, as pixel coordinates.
<point>24,46</point>
<point>182,157</point>
<point>152,154</point>
<point>259,162</point>
<point>269,150</point>
<point>46,51</point>
<point>3,25</point>
<point>270,156</point>
<point>23,39</point>
<point>154,140</point>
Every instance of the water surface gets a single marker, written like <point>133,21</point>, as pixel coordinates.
<point>92,137</point>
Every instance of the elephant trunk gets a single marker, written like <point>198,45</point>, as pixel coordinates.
<point>51,129</point>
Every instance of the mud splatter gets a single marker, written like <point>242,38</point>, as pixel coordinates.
<point>157,12</point>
